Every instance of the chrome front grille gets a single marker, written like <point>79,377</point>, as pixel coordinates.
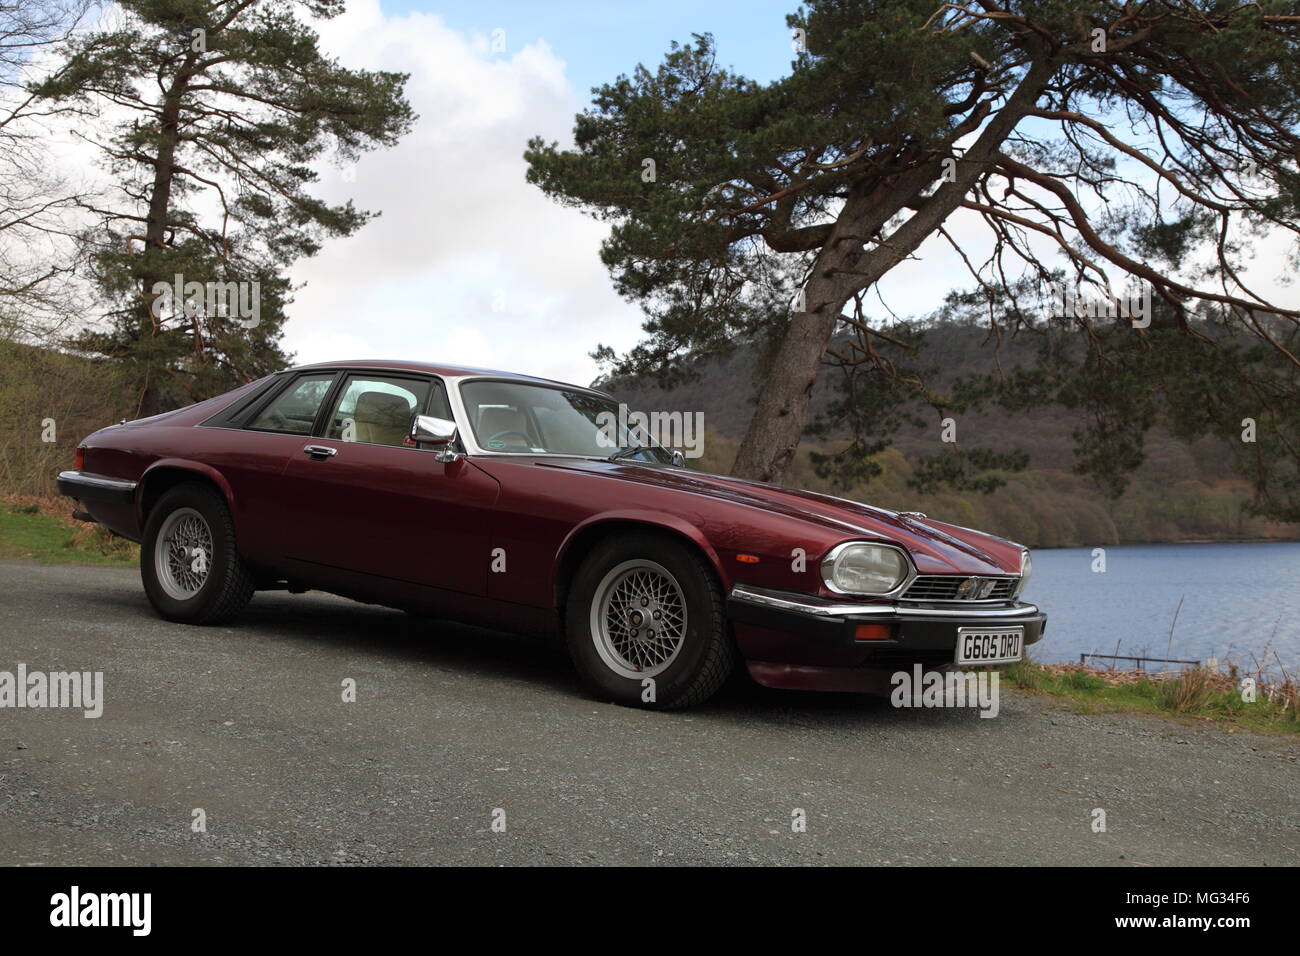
<point>955,587</point>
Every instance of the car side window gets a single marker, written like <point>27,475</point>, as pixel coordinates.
<point>294,410</point>
<point>377,409</point>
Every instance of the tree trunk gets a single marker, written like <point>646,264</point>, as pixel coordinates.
<point>844,268</point>
<point>156,232</point>
<point>782,409</point>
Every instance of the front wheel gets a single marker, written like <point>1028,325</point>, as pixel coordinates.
<point>191,570</point>
<point>645,625</point>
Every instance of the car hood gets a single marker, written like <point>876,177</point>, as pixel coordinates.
<point>936,547</point>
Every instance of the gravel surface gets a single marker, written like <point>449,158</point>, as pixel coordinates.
<point>453,725</point>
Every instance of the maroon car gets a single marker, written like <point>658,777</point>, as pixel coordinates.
<point>508,501</point>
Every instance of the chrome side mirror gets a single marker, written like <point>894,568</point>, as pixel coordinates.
<point>679,460</point>
<point>428,430</point>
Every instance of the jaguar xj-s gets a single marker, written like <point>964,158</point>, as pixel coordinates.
<point>508,501</point>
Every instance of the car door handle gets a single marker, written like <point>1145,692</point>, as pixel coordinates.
<point>319,452</point>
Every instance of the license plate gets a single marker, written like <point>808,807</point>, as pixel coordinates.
<point>989,645</point>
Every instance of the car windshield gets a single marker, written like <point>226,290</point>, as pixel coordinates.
<point>538,419</point>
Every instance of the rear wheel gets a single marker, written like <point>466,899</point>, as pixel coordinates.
<point>191,569</point>
<point>644,623</point>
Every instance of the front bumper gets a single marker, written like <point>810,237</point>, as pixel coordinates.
<point>800,640</point>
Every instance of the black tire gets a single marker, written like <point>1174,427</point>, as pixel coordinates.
<point>706,657</point>
<point>228,585</point>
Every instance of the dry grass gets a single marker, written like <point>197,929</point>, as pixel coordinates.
<point>56,507</point>
<point>1188,692</point>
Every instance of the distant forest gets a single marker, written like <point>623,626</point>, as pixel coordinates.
<point>1181,493</point>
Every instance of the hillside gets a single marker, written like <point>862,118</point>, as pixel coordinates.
<point>49,400</point>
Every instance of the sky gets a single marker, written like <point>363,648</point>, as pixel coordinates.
<point>467,263</point>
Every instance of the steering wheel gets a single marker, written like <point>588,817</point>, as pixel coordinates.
<point>524,439</point>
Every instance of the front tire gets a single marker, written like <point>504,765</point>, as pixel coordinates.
<point>189,564</point>
<point>645,624</point>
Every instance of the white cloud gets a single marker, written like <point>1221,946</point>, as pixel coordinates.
<point>467,263</point>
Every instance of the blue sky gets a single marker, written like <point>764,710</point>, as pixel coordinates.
<point>600,40</point>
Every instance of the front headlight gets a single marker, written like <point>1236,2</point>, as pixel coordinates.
<point>1026,566</point>
<point>861,568</point>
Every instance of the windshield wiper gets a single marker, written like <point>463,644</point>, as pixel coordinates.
<point>627,452</point>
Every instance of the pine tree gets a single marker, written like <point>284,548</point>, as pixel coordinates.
<point>1144,138</point>
<point>224,105</point>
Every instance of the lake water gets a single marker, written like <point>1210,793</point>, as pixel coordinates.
<point>1237,599</point>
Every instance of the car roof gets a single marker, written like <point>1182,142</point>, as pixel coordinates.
<point>446,371</point>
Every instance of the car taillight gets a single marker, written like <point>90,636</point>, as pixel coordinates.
<point>79,460</point>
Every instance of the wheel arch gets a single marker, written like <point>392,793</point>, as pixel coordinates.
<point>167,473</point>
<point>591,532</point>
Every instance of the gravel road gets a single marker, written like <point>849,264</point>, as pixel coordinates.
<point>453,725</point>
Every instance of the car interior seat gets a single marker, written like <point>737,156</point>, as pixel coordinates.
<point>382,418</point>
<point>495,420</point>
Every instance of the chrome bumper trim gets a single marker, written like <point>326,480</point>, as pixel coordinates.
<point>74,484</point>
<point>822,609</point>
